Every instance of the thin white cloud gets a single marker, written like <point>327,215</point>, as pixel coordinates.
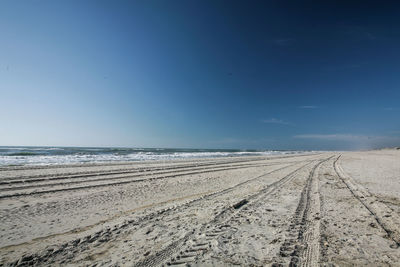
<point>337,137</point>
<point>356,141</point>
<point>276,121</point>
<point>359,32</point>
<point>370,36</point>
<point>308,107</point>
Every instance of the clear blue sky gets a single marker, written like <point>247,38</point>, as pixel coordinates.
<point>200,74</point>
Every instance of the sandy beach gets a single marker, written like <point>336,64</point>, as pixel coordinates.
<point>330,208</point>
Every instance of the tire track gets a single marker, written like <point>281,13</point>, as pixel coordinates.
<point>79,245</point>
<point>147,162</point>
<point>188,246</point>
<point>128,176</point>
<point>82,174</point>
<point>197,247</point>
<point>303,243</point>
<point>115,183</point>
<point>107,164</point>
<point>388,220</point>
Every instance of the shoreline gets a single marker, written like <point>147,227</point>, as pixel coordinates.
<point>50,156</point>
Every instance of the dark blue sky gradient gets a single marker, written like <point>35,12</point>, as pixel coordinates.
<point>201,74</point>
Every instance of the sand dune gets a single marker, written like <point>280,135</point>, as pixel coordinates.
<point>305,209</point>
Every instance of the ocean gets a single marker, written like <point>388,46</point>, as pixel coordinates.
<point>69,155</point>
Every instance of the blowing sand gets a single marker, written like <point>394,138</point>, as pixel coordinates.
<point>308,209</point>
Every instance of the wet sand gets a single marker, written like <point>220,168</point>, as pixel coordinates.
<point>306,209</point>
